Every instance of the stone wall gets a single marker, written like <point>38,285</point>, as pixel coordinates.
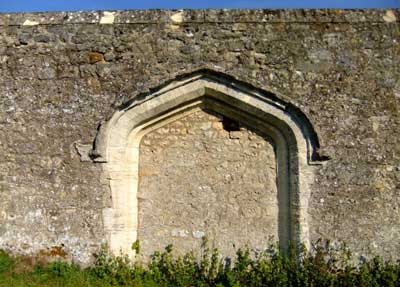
<point>198,179</point>
<point>63,74</point>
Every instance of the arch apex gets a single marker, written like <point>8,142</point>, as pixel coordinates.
<point>205,78</point>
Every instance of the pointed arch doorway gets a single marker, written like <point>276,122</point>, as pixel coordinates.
<point>293,139</point>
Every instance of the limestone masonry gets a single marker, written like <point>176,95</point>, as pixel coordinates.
<point>250,127</point>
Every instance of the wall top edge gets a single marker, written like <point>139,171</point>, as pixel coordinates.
<point>202,16</point>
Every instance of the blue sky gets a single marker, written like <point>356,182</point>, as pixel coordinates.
<point>72,5</point>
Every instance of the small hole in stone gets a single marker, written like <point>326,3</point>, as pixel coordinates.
<point>230,125</point>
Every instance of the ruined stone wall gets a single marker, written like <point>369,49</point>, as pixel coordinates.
<point>62,74</point>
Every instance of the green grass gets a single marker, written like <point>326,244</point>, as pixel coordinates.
<point>323,266</point>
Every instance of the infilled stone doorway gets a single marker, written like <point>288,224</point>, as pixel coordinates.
<point>207,175</point>
<point>292,150</point>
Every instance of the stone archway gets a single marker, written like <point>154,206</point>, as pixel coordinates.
<point>295,142</point>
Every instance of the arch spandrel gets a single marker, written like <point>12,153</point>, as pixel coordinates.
<point>117,147</point>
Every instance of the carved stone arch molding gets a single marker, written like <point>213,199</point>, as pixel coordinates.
<point>117,147</point>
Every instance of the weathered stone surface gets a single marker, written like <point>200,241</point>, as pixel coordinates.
<point>339,67</point>
<point>196,179</point>
<point>95,57</point>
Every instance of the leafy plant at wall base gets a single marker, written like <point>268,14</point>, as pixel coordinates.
<point>324,265</point>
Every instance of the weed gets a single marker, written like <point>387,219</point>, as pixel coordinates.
<point>324,265</point>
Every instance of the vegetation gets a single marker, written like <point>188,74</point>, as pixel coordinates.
<point>323,266</point>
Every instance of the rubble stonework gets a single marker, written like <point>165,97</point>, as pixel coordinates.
<point>197,177</point>
<point>63,75</point>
